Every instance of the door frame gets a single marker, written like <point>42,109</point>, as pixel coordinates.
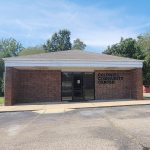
<point>83,73</point>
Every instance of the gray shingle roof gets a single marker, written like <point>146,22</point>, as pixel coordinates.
<point>71,55</point>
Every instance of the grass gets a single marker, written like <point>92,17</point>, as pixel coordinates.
<point>1,100</point>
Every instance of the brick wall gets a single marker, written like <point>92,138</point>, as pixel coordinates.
<point>137,84</point>
<point>45,85</point>
<point>129,87</point>
<point>11,84</point>
<point>32,86</point>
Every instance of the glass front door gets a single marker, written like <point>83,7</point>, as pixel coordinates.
<point>66,86</point>
<point>77,86</point>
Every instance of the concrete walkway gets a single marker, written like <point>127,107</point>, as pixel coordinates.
<point>63,107</point>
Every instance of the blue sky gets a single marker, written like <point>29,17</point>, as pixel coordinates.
<point>98,23</point>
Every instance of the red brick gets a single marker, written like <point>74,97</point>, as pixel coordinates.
<point>137,84</point>
<point>128,88</point>
<point>32,86</point>
<point>45,85</point>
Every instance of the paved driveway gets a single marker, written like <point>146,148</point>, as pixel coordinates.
<point>116,128</point>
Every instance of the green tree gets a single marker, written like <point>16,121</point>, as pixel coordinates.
<point>137,49</point>
<point>58,42</point>
<point>126,48</point>
<point>8,47</point>
<point>32,50</point>
<point>78,44</point>
<point>1,77</point>
<point>143,42</point>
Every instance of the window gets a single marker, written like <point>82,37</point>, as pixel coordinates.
<point>66,86</point>
<point>89,86</point>
<point>78,86</point>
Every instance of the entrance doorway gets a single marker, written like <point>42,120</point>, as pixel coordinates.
<point>78,86</point>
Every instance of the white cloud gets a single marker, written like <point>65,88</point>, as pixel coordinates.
<point>37,20</point>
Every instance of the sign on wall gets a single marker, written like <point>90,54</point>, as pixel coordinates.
<point>108,78</point>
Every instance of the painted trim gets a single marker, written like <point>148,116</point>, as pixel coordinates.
<point>74,63</point>
<point>41,59</point>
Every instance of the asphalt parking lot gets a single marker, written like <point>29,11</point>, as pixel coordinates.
<point>113,128</point>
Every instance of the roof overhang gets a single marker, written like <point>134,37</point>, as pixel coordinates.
<point>73,63</point>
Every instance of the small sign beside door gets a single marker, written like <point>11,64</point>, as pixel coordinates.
<point>78,82</point>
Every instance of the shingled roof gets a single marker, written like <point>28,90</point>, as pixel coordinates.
<point>72,55</point>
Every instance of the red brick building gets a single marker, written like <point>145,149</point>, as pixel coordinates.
<point>71,75</point>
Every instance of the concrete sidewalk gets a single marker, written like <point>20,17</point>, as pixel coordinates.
<point>63,107</point>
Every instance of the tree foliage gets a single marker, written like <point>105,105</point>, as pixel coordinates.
<point>126,48</point>
<point>144,44</point>
<point>8,47</point>
<point>78,44</point>
<point>32,50</point>
<point>1,77</point>
<point>58,42</point>
<point>134,48</point>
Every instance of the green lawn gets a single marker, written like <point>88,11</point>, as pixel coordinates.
<point>1,100</point>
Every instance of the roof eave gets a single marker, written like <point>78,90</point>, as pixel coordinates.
<point>130,60</point>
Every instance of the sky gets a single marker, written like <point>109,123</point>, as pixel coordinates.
<point>98,23</point>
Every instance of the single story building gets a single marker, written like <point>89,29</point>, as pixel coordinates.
<point>71,75</point>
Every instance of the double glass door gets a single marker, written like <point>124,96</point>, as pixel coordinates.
<point>77,89</point>
<point>77,86</point>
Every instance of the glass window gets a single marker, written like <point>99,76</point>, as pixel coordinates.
<point>89,86</point>
<point>78,86</point>
<point>66,86</point>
